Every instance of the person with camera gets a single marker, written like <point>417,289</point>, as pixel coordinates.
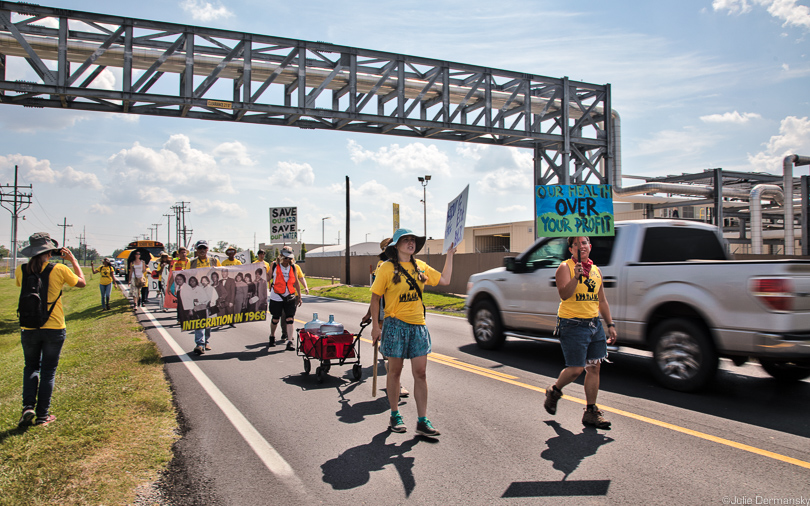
<point>285,295</point>
<point>42,344</point>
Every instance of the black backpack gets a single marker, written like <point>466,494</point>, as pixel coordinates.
<point>33,307</point>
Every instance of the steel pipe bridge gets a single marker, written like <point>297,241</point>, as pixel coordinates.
<point>165,69</point>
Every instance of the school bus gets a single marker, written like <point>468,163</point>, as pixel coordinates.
<point>153,247</point>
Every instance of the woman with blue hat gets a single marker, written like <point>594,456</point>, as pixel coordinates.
<point>401,281</point>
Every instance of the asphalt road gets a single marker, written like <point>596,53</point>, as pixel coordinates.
<point>259,431</point>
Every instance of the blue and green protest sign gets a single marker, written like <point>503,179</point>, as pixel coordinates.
<point>574,210</point>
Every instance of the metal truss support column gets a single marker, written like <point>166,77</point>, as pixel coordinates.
<point>718,198</point>
<point>805,208</point>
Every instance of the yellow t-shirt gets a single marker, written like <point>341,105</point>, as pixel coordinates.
<point>179,265</point>
<point>228,262</point>
<point>401,301</point>
<point>205,263</point>
<point>584,303</point>
<point>106,275</point>
<point>60,275</point>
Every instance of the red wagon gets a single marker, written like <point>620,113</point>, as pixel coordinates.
<point>341,347</point>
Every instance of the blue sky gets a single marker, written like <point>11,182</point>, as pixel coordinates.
<point>698,84</point>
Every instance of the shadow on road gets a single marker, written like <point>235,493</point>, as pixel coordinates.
<point>566,451</point>
<point>763,402</point>
<point>352,468</point>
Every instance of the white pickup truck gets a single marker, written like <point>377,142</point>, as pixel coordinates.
<point>672,290</point>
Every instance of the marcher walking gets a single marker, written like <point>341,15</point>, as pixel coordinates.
<point>137,277</point>
<point>583,340</point>
<point>301,280</point>
<point>285,296</point>
<point>380,315</point>
<point>105,283</point>
<point>42,346</point>
<point>202,336</point>
<point>404,332</point>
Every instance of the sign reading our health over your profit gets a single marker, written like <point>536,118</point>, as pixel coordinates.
<point>568,210</point>
<point>283,225</point>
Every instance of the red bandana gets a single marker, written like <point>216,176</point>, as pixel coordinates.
<point>586,266</point>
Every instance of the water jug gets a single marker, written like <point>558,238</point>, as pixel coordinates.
<point>331,327</point>
<point>314,326</point>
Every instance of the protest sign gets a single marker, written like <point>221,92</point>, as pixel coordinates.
<point>214,296</point>
<point>456,219</point>
<point>283,225</point>
<point>243,256</point>
<point>574,210</point>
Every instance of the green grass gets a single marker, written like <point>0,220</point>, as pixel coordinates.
<point>435,302</point>
<point>115,420</point>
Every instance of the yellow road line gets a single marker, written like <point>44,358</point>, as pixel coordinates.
<point>481,371</point>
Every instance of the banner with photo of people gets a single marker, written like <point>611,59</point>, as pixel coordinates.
<point>214,296</point>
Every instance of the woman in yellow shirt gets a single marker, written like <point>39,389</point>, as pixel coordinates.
<point>401,281</point>
<point>105,283</point>
<point>42,346</point>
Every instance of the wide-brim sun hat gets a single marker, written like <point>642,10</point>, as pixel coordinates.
<point>391,249</point>
<point>38,244</point>
<point>230,248</point>
<point>384,243</point>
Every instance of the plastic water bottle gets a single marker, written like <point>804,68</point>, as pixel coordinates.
<point>332,327</point>
<point>314,326</point>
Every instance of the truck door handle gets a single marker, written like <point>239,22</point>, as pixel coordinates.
<point>609,282</point>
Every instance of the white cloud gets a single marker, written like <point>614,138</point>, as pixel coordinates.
<point>219,207</point>
<point>234,153</point>
<point>731,117</point>
<point>40,171</point>
<point>793,138</point>
<point>293,174</point>
<point>414,158</point>
<point>785,10</point>
<point>732,6</point>
<point>153,175</point>
<point>100,209</point>
<point>205,11</point>
<point>504,181</point>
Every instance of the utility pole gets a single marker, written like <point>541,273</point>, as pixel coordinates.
<point>182,210</point>
<point>156,225</point>
<point>168,229</point>
<point>17,200</point>
<point>64,230</point>
<point>83,245</point>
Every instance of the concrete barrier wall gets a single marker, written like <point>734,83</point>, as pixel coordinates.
<point>464,265</point>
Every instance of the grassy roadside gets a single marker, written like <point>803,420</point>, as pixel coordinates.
<point>435,302</point>
<point>115,420</point>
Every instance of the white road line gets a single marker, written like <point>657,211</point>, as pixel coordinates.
<point>264,450</point>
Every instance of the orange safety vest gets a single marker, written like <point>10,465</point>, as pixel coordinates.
<point>278,280</point>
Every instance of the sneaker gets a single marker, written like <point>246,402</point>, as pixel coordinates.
<point>108,307</point>
<point>199,350</point>
<point>26,418</point>
<point>272,342</point>
<point>207,347</point>
<point>552,396</point>
<point>290,346</point>
<point>396,424</point>
<point>45,420</point>
<point>426,429</point>
<point>593,417</point>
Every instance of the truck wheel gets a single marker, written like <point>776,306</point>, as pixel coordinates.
<point>683,356</point>
<point>486,325</point>
<point>784,370</point>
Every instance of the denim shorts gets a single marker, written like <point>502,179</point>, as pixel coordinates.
<point>403,340</point>
<point>583,341</point>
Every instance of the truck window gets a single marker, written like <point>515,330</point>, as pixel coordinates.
<point>555,251</point>
<point>677,244</point>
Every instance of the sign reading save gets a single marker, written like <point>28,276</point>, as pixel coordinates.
<point>574,210</point>
<point>283,225</point>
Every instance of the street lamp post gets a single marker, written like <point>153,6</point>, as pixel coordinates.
<point>424,181</point>
<point>323,221</point>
